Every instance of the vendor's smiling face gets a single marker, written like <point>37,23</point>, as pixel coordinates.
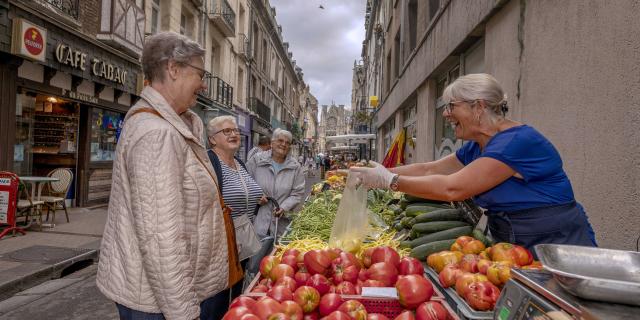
<point>462,116</point>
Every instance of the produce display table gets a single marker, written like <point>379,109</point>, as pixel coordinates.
<point>461,307</point>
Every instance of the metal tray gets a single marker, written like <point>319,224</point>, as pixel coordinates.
<point>594,273</point>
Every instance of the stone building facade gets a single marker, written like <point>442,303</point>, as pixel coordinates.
<point>334,121</point>
<point>567,68</point>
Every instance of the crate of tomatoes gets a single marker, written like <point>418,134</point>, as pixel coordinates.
<point>328,284</point>
<point>471,275</point>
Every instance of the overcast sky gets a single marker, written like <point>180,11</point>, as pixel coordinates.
<point>324,42</point>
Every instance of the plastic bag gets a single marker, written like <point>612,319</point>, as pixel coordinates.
<point>351,224</point>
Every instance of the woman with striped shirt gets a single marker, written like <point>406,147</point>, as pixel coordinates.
<point>239,190</point>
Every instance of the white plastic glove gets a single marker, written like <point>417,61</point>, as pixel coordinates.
<point>377,177</point>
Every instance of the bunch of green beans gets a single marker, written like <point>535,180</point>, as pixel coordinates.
<point>315,219</point>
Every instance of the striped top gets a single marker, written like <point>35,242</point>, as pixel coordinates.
<point>240,192</point>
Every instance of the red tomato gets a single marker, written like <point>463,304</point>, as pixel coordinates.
<point>280,293</point>
<point>266,307</point>
<point>301,278</point>
<point>260,288</point>
<point>337,315</point>
<point>330,302</point>
<point>354,309</point>
<point>236,313</point>
<point>464,280</point>
<point>320,283</point>
<point>384,272</point>
<point>281,270</point>
<point>385,254</point>
<point>291,252</point>
<point>431,310</point>
<point>373,283</point>
<point>366,257</point>
<point>376,316</point>
<point>278,316</point>
<point>267,263</point>
<point>291,261</point>
<point>449,275</point>
<point>317,261</point>
<point>482,295</point>
<point>307,297</point>
<point>346,288</point>
<point>288,282</point>
<point>405,315</point>
<point>469,263</point>
<point>409,265</point>
<point>413,290</point>
<point>242,301</point>
<point>292,310</point>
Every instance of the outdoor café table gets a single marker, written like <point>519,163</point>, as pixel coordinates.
<point>37,183</point>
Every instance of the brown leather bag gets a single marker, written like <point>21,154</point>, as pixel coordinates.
<point>235,270</point>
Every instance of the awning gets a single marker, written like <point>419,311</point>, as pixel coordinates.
<point>344,148</point>
<point>352,138</point>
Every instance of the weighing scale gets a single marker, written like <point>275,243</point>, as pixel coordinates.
<point>531,294</point>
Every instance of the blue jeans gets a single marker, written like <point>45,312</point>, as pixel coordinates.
<point>212,308</point>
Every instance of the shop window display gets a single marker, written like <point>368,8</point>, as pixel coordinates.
<point>105,131</point>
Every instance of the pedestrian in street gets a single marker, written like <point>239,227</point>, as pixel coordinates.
<point>168,246</point>
<point>239,190</point>
<point>326,164</point>
<point>264,144</point>
<point>508,167</point>
<point>281,177</point>
<point>309,166</point>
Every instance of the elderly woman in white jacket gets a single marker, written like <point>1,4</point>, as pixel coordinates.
<point>164,251</point>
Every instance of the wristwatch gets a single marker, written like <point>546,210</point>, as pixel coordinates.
<point>394,182</point>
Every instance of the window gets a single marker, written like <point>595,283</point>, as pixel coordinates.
<point>434,6</point>
<point>240,84</point>
<point>183,24</point>
<point>397,55</point>
<point>105,132</point>
<point>446,141</point>
<point>155,16</point>
<point>388,128</point>
<point>413,24</point>
<point>409,116</point>
<point>387,74</point>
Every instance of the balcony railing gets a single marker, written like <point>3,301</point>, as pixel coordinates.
<point>262,110</point>
<point>68,7</point>
<point>243,45</point>
<point>224,17</point>
<point>221,92</point>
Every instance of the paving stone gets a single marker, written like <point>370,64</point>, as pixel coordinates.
<point>50,286</point>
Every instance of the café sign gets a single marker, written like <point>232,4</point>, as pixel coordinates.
<point>29,40</point>
<point>99,68</point>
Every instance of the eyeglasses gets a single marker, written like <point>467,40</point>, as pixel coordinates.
<point>204,73</point>
<point>227,131</point>
<point>283,141</point>
<point>449,106</point>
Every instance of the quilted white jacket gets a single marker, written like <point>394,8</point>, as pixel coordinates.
<point>164,245</point>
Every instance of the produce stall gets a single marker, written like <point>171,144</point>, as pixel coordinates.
<point>419,259</point>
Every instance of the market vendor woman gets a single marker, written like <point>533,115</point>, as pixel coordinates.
<point>507,167</point>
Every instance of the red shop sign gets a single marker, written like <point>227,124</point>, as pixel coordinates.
<point>8,201</point>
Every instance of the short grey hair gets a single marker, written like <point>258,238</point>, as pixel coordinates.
<point>478,86</point>
<point>214,124</point>
<point>281,133</point>
<point>164,46</point>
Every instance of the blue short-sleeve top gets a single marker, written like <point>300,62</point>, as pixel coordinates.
<point>529,153</point>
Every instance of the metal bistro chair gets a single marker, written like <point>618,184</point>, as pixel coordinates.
<point>26,207</point>
<point>55,200</point>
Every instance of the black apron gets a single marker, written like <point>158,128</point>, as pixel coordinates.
<point>559,224</point>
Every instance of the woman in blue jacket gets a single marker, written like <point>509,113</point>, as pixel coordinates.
<point>508,168</point>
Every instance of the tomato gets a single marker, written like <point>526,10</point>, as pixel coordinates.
<point>354,309</point>
<point>345,268</point>
<point>249,316</point>
<point>260,288</point>
<point>278,316</point>
<point>431,310</point>
<point>280,293</point>
<point>320,283</point>
<point>482,295</point>
<point>337,315</point>
<point>366,257</point>
<point>449,275</point>
<point>484,254</point>
<point>473,247</point>
<point>372,283</point>
<point>466,279</point>
<point>405,315</point>
<point>413,290</point>
<point>409,265</point>
<point>266,307</point>
<point>236,313</point>
<point>290,260</point>
<point>267,263</point>
<point>346,288</point>
<point>330,302</point>
<point>483,265</point>
<point>287,282</point>
<point>536,265</point>
<point>512,253</point>
<point>281,270</point>
<point>522,256</point>
<point>376,316</point>
<point>317,261</point>
<point>292,310</point>
<point>301,278</point>
<point>307,297</point>
<point>383,272</point>
<point>311,316</point>
<point>469,262</point>
<point>385,254</point>
<point>460,242</point>
<point>499,273</point>
<point>242,301</point>
<point>439,260</point>
<point>291,252</point>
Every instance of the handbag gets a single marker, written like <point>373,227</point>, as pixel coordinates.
<point>235,270</point>
<point>246,237</point>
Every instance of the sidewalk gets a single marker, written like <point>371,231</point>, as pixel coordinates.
<point>39,256</point>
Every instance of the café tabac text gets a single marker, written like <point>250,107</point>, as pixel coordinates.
<point>78,59</point>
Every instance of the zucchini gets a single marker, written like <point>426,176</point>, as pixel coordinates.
<point>422,251</point>
<point>452,233</point>
<point>409,198</point>
<point>415,210</point>
<point>479,235</point>
<point>398,226</point>
<point>441,215</point>
<point>396,209</point>
<point>413,234</point>
<point>435,226</point>
<point>406,222</point>
<point>403,204</point>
